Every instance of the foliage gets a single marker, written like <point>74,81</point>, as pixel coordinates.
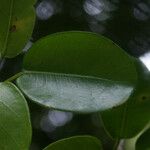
<point>77,142</point>
<point>80,72</point>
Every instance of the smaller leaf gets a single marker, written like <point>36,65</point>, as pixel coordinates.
<point>15,126</point>
<point>129,119</point>
<point>73,92</point>
<point>76,143</point>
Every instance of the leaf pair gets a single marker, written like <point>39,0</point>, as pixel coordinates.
<point>17,19</point>
<point>80,72</point>
<point>15,126</point>
<point>84,72</point>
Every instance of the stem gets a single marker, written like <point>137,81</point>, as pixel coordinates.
<point>14,77</point>
<point>2,61</point>
<point>115,147</point>
<point>130,143</point>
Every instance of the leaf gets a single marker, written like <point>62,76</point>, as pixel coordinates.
<point>72,92</point>
<point>15,127</point>
<point>76,143</point>
<point>81,53</point>
<point>17,21</point>
<point>143,142</point>
<point>127,120</point>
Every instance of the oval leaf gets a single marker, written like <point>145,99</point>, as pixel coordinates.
<point>15,128</point>
<point>76,143</point>
<point>73,93</point>
<point>129,119</point>
<point>17,21</point>
<point>81,53</point>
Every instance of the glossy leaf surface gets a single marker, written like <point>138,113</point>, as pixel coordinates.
<point>15,128</point>
<point>81,53</point>
<point>76,143</point>
<point>73,93</point>
<point>17,21</point>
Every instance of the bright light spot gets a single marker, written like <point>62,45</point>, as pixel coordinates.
<point>100,10</point>
<point>46,125</point>
<point>146,60</point>
<point>93,7</point>
<point>45,10</point>
<point>59,118</point>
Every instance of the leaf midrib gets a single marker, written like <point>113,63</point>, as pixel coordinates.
<point>8,28</point>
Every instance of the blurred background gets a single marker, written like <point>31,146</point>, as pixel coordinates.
<point>126,22</point>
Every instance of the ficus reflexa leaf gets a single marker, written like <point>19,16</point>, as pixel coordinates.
<point>15,127</point>
<point>17,21</point>
<point>75,93</point>
<point>76,143</point>
<point>143,143</point>
<point>81,53</point>
<point>129,119</point>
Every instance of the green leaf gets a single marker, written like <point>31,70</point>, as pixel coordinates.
<point>15,127</point>
<point>76,143</point>
<point>143,143</point>
<point>73,92</point>
<point>127,120</point>
<point>81,53</point>
<point>17,21</point>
